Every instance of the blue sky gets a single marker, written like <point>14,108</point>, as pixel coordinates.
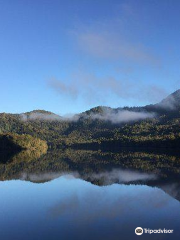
<point>69,56</point>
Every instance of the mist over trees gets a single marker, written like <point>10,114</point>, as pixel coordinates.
<point>153,125</point>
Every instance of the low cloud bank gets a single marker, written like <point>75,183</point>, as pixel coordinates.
<point>48,117</point>
<point>114,116</point>
<point>40,116</point>
<point>122,116</point>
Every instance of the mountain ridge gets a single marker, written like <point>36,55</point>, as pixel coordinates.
<point>173,98</point>
<point>150,125</point>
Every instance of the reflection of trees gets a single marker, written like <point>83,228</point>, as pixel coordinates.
<point>88,163</point>
<point>29,161</point>
<point>161,163</point>
<point>27,156</point>
<point>85,162</point>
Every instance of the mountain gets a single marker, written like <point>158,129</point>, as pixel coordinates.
<point>40,115</point>
<point>168,105</point>
<point>155,125</point>
<point>171,103</point>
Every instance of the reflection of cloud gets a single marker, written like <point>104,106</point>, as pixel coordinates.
<point>89,204</point>
<point>47,176</point>
<point>109,177</point>
<point>71,204</point>
<point>121,176</point>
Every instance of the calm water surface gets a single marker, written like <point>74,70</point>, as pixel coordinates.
<point>105,204</point>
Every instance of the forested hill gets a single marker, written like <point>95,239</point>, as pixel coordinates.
<point>151,125</point>
<point>15,142</point>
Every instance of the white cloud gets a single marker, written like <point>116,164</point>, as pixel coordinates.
<point>108,46</point>
<point>100,90</point>
<point>121,116</point>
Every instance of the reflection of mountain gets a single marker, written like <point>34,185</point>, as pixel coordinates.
<point>31,162</point>
<point>172,188</point>
<point>100,168</point>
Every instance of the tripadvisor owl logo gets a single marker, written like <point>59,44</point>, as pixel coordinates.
<point>138,231</point>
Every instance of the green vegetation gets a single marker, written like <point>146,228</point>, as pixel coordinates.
<point>163,130</point>
<point>14,142</point>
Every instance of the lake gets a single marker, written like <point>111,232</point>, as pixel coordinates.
<point>89,195</point>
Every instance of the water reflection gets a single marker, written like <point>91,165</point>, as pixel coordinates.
<point>70,208</point>
<point>121,176</point>
<point>117,175</point>
<point>100,168</point>
<point>163,165</point>
<point>89,195</point>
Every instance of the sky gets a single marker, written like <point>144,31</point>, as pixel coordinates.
<point>67,56</point>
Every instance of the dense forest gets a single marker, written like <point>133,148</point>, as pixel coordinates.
<point>15,142</point>
<point>94,128</point>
